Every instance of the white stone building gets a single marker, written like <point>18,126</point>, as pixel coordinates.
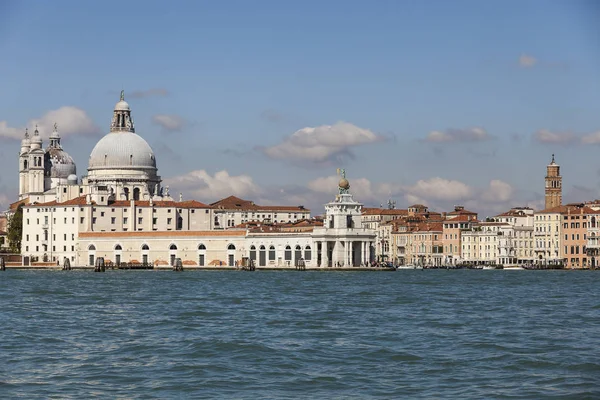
<point>121,213</point>
<point>516,243</point>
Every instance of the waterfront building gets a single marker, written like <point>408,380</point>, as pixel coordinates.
<point>233,211</point>
<point>342,240</point>
<point>480,244</point>
<point>516,244</point>
<point>574,232</point>
<point>593,239</point>
<point>547,236</point>
<point>454,224</point>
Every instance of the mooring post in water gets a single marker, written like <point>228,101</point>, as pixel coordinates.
<point>178,265</point>
<point>2,264</point>
<point>67,264</point>
<point>100,265</point>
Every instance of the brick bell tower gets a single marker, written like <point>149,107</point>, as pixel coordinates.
<point>553,185</point>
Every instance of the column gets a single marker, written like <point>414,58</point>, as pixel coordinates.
<point>324,254</point>
<point>315,254</point>
<point>363,252</point>
<point>348,253</point>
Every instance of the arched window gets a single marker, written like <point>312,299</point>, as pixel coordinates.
<point>307,253</point>
<point>231,247</point>
<point>145,251</point>
<point>91,247</point>
<point>593,222</point>
<point>25,164</point>
<point>272,253</point>
<point>131,159</point>
<point>136,193</point>
<point>262,256</point>
<point>118,247</point>
<point>253,253</point>
<point>201,254</point>
<point>298,253</point>
<point>288,253</point>
<point>172,247</point>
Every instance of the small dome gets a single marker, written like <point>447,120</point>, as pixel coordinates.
<point>62,164</point>
<point>72,179</point>
<point>122,150</point>
<point>344,184</point>
<point>122,105</point>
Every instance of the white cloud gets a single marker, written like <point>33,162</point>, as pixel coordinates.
<point>548,137</point>
<point>171,122</point>
<point>71,121</point>
<point>498,192</point>
<point>458,135</point>
<point>322,144</point>
<point>206,188</point>
<point>438,189</point>
<point>592,138</point>
<point>527,61</point>
<point>8,132</point>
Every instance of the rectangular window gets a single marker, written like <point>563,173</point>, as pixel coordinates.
<point>201,260</point>
<point>64,248</point>
<point>93,220</point>
<point>168,221</point>
<point>140,219</point>
<point>102,214</point>
<point>125,220</point>
<point>113,220</point>
<point>65,237</point>
<point>154,221</point>
<point>81,220</point>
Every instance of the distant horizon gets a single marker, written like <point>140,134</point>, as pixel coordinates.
<point>430,103</point>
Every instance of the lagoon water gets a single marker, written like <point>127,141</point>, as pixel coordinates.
<point>250,335</point>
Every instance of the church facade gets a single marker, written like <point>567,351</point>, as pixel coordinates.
<point>121,212</point>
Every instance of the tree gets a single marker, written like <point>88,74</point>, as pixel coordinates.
<point>15,230</point>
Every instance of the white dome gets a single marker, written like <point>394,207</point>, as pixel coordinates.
<point>122,150</point>
<point>122,106</point>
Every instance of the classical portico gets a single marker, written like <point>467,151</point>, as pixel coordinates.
<point>342,242</point>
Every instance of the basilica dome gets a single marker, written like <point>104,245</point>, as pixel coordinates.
<point>122,149</point>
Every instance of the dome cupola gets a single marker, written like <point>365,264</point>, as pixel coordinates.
<point>62,164</point>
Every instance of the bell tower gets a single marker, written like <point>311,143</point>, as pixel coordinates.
<point>24,166</point>
<point>553,185</point>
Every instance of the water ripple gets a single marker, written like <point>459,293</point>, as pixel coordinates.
<point>206,334</point>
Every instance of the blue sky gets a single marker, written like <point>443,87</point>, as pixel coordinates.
<point>436,102</point>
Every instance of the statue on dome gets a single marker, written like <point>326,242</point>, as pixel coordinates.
<point>122,95</point>
<point>167,191</point>
<point>55,127</point>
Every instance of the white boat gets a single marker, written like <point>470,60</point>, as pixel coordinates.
<point>407,266</point>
